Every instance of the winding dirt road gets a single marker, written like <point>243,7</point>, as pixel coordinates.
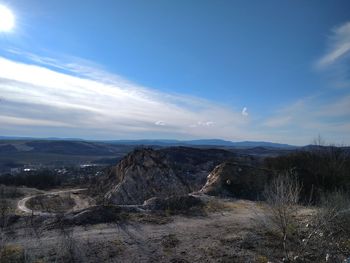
<point>79,203</point>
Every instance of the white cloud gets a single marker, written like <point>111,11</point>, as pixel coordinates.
<point>94,101</point>
<point>311,116</point>
<point>160,123</point>
<point>339,46</point>
<point>202,124</point>
<point>245,111</point>
<point>339,108</point>
<point>205,123</point>
<point>9,120</point>
<point>46,94</point>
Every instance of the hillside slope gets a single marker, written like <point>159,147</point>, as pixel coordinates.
<point>148,173</point>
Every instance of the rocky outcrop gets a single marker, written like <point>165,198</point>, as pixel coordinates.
<point>142,175</point>
<point>236,180</point>
<point>147,173</point>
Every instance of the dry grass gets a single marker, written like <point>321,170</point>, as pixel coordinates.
<point>158,219</point>
<point>170,241</point>
<point>217,205</point>
<point>51,203</point>
<point>12,253</point>
<point>262,259</point>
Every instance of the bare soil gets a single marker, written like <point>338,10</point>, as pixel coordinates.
<point>51,203</point>
<point>225,232</point>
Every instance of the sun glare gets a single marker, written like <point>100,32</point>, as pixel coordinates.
<point>7,19</point>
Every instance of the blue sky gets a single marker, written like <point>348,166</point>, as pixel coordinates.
<point>237,70</point>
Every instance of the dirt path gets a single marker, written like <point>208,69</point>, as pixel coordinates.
<point>215,237</point>
<point>79,203</point>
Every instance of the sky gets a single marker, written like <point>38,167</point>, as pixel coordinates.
<point>238,70</point>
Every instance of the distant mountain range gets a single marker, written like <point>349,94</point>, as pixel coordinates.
<point>205,142</point>
<point>19,138</point>
<point>161,142</point>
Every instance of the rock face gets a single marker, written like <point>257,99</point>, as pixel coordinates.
<point>236,180</point>
<point>143,175</point>
<point>148,173</point>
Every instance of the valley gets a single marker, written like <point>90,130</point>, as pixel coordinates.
<point>172,204</point>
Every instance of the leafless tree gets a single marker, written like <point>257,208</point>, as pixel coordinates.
<point>282,197</point>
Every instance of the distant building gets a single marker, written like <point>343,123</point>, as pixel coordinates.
<point>88,165</point>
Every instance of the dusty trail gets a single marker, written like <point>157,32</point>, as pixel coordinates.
<point>79,203</point>
<point>214,237</point>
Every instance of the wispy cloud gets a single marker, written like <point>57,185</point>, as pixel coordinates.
<point>311,116</point>
<point>48,92</point>
<point>202,124</point>
<point>339,46</point>
<point>245,111</point>
<point>9,120</point>
<point>160,123</point>
<point>48,97</point>
<point>328,111</point>
<point>278,121</point>
<point>338,108</point>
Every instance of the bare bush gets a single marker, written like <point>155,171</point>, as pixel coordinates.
<point>4,212</point>
<point>68,247</point>
<point>322,236</point>
<point>282,197</point>
<point>327,234</point>
<point>4,217</point>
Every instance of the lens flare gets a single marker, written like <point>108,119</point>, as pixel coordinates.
<point>7,19</point>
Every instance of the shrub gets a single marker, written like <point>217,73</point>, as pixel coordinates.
<point>319,170</point>
<point>282,197</point>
